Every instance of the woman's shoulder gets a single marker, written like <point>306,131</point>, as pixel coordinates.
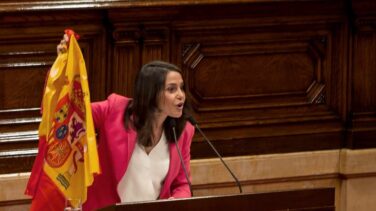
<point>189,129</point>
<point>189,126</point>
<point>113,103</point>
<point>117,100</point>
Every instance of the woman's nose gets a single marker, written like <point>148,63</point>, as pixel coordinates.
<point>180,94</point>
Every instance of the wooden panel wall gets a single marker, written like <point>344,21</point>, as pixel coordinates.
<point>263,76</point>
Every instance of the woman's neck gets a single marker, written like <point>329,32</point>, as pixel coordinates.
<point>158,127</point>
<point>158,121</point>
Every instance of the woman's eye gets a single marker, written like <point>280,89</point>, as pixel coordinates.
<point>171,89</point>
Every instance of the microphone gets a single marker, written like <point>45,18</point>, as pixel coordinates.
<point>194,122</point>
<point>173,126</point>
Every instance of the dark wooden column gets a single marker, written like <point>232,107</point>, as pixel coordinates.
<point>362,76</point>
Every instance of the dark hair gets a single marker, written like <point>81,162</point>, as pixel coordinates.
<point>139,114</point>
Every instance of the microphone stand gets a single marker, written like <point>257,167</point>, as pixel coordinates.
<point>193,121</point>
<point>173,124</point>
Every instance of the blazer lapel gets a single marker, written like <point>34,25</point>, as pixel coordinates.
<point>172,171</point>
<point>126,155</point>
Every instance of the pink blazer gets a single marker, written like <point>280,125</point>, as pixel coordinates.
<point>115,147</point>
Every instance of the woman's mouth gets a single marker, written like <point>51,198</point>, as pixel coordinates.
<point>180,106</point>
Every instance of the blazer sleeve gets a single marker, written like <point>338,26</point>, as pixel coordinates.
<point>103,109</point>
<point>99,111</point>
<point>180,186</point>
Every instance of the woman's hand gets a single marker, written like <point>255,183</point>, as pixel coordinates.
<point>62,47</point>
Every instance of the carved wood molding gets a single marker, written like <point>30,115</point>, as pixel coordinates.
<point>36,5</point>
<point>265,76</point>
<point>264,102</point>
<point>17,160</point>
<point>312,92</point>
<point>136,42</point>
<point>27,51</point>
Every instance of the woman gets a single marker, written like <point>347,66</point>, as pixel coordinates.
<point>136,147</point>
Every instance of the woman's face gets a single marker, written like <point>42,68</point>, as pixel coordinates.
<point>172,98</point>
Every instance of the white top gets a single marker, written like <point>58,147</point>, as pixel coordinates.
<point>145,174</point>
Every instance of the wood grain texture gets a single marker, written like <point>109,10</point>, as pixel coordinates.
<point>263,76</point>
<point>309,199</point>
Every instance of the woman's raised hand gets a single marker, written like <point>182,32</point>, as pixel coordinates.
<point>62,47</point>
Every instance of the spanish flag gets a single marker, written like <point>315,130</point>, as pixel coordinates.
<point>67,158</point>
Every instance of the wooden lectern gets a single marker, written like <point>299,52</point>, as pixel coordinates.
<point>304,200</point>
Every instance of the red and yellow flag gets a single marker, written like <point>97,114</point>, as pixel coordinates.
<point>67,157</point>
